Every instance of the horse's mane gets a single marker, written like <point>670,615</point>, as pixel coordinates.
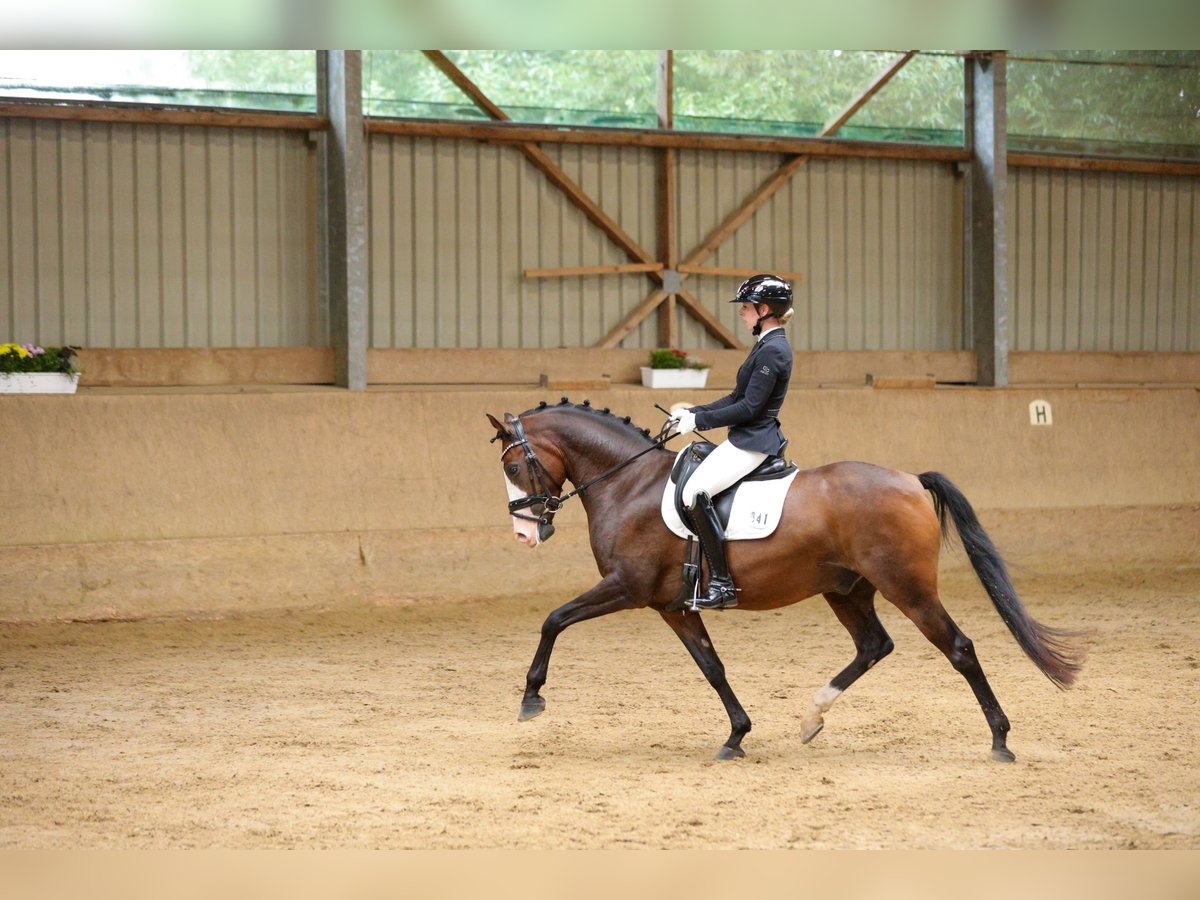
<point>604,415</point>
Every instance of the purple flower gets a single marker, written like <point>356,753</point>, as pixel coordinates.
<point>34,349</point>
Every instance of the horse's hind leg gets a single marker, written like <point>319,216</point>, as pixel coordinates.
<point>691,630</point>
<point>928,614</point>
<point>856,611</point>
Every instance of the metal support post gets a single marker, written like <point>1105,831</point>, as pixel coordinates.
<point>343,214</point>
<point>985,269</point>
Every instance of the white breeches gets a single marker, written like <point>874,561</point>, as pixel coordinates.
<point>722,468</point>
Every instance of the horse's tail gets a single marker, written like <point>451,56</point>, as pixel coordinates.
<point>1052,649</point>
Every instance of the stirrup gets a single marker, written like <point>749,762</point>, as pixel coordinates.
<point>721,594</point>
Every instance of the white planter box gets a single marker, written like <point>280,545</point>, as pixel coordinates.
<point>674,378</point>
<point>38,383</point>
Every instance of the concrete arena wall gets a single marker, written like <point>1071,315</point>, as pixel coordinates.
<point>124,505</point>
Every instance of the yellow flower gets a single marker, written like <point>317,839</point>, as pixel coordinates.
<point>20,351</point>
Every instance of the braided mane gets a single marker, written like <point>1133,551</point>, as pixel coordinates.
<point>603,414</point>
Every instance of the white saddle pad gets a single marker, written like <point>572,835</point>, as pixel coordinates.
<point>757,508</point>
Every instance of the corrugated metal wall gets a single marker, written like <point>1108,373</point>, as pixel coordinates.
<point>1103,261</point>
<point>117,235</point>
<point>877,243</point>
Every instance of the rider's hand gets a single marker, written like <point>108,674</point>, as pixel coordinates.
<point>685,421</point>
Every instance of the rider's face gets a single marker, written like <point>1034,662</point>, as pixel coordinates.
<point>749,314</point>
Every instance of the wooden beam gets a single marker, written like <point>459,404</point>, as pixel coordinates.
<point>620,269</point>
<point>668,333</point>
<point>834,124</point>
<point>749,206</point>
<point>543,163</point>
<point>665,83</point>
<point>632,319</point>
<point>519,133</point>
<point>465,84</point>
<point>722,271</point>
<point>160,115</point>
<point>711,323</point>
<point>1104,164</point>
<point>589,207</point>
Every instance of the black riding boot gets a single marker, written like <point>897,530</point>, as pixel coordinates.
<point>721,592</point>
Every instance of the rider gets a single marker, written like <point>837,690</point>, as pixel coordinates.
<point>752,414</point>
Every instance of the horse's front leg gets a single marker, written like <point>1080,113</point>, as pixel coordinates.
<point>694,635</point>
<point>608,596</point>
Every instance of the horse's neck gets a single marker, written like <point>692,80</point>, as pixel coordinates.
<point>590,456</point>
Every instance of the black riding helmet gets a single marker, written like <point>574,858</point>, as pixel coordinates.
<point>769,290</point>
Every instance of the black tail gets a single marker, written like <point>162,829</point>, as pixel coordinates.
<point>1051,649</point>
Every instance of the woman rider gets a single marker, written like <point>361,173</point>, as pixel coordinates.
<point>751,413</point>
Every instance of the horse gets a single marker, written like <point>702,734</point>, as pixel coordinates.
<point>848,530</point>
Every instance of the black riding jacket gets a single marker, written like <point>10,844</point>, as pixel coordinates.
<point>752,411</point>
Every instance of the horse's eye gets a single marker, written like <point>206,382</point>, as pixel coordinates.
<point>512,469</point>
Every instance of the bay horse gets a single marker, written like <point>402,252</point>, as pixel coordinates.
<point>848,530</point>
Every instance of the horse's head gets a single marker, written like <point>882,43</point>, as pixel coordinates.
<point>533,474</point>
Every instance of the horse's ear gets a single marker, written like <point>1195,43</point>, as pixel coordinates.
<point>501,431</point>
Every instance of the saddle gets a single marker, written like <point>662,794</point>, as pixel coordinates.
<point>749,509</point>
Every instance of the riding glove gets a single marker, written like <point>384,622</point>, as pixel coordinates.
<point>685,421</point>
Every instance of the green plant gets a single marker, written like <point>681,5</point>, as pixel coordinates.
<point>32,358</point>
<point>674,359</point>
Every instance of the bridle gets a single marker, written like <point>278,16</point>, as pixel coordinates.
<point>551,501</point>
<point>540,478</point>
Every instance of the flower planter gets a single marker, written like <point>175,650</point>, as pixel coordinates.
<point>38,383</point>
<point>674,378</point>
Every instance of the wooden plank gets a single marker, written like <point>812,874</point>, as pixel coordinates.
<point>617,269</point>
<point>632,319</point>
<point>667,323</point>
<point>867,93</point>
<point>708,320</point>
<point>885,382</point>
<point>665,83</point>
<point>521,133</point>
<point>160,115</point>
<point>1104,164</point>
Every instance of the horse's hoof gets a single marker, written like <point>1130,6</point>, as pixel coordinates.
<point>530,708</point>
<point>809,730</point>
<point>730,752</point>
<point>1003,754</point>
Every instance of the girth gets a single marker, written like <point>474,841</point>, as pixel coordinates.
<point>771,468</point>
